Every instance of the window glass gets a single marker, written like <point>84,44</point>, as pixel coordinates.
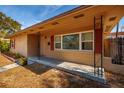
<point>87,45</point>
<point>58,42</point>
<point>87,36</point>
<point>71,41</point>
<point>58,45</point>
<point>58,39</point>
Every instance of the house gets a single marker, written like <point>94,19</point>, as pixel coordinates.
<point>75,36</point>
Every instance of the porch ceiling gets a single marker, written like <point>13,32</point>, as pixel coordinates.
<point>81,19</point>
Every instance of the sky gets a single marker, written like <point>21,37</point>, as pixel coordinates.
<point>121,23</point>
<point>28,15</point>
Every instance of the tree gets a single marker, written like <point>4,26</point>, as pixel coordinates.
<point>4,46</point>
<point>8,25</point>
<point>3,34</point>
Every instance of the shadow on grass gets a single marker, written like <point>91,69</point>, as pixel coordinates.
<point>38,68</point>
<point>66,80</point>
<point>56,78</point>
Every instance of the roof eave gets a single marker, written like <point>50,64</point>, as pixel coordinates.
<point>51,19</point>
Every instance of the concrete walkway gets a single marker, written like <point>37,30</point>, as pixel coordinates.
<point>7,67</point>
<point>78,69</point>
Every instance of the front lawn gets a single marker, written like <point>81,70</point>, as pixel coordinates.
<point>40,76</point>
<point>4,61</point>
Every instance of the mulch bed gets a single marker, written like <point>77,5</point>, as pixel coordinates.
<point>10,54</point>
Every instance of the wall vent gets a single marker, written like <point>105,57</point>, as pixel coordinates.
<point>78,16</point>
<point>112,18</point>
<point>55,23</point>
<point>41,27</point>
<point>31,30</point>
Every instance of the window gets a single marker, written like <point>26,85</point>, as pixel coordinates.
<point>58,42</point>
<point>12,43</point>
<point>78,41</point>
<point>87,41</point>
<point>71,41</point>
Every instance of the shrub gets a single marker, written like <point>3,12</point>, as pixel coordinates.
<point>17,55</point>
<point>4,47</point>
<point>22,61</point>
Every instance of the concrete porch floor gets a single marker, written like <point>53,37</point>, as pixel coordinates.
<point>73,68</point>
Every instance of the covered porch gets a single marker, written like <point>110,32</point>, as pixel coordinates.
<point>70,67</point>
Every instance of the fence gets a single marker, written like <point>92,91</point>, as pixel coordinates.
<point>117,50</point>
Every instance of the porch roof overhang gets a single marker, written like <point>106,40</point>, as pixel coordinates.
<point>81,17</point>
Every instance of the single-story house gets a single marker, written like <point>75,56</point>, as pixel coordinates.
<point>74,36</point>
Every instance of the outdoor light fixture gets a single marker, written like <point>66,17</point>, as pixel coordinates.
<point>112,18</point>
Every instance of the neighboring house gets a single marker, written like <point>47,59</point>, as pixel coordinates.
<point>70,36</point>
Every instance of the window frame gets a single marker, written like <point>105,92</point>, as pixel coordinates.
<point>12,43</point>
<point>80,41</point>
<point>87,41</point>
<point>57,42</point>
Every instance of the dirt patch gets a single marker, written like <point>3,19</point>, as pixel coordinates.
<point>4,61</point>
<point>115,80</point>
<point>40,76</point>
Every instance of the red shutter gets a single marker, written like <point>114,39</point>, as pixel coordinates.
<point>52,43</point>
<point>98,41</point>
